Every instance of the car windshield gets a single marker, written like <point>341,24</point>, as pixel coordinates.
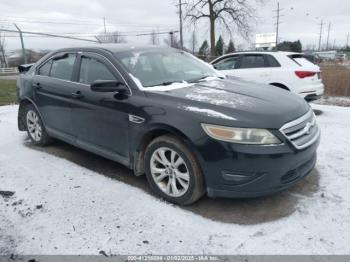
<point>164,67</point>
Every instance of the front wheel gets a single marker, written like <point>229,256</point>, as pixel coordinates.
<point>35,128</point>
<point>173,172</point>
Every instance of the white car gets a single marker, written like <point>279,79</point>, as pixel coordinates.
<point>290,71</point>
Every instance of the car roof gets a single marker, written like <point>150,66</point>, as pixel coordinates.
<point>115,48</point>
<point>274,53</point>
<point>265,52</point>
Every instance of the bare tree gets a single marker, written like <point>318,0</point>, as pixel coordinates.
<point>2,50</point>
<point>229,13</point>
<point>111,37</point>
<point>193,42</point>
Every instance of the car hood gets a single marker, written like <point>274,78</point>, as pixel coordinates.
<point>236,103</point>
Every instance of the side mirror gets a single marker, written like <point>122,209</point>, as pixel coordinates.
<point>105,86</point>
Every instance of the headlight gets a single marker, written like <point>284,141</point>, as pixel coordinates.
<point>252,136</point>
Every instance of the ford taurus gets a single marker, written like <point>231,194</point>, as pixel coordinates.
<point>164,113</point>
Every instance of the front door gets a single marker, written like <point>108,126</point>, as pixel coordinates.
<point>100,120</point>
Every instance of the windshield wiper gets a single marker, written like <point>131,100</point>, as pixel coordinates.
<point>168,83</point>
<point>202,78</point>
<point>198,79</point>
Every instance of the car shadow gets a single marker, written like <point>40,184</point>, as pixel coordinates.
<point>238,211</point>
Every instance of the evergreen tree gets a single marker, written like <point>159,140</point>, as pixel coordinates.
<point>290,46</point>
<point>231,47</point>
<point>204,49</point>
<point>219,47</point>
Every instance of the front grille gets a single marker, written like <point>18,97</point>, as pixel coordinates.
<point>302,132</point>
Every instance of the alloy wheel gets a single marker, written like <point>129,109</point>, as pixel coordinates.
<point>34,126</point>
<point>169,172</point>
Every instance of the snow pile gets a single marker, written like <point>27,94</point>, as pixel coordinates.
<point>60,207</point>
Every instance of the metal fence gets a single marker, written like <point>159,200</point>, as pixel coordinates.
<point>8,71</point>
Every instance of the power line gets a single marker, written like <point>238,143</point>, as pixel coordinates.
<point>47,35</point>
<point>72,22</point>
<point>40,34</point>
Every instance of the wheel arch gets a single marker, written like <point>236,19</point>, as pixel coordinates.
<point>21,110</point>
<point>152,133</point>
<point>280,85</point>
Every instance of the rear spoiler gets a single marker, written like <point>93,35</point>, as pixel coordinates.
<point>22,69</point>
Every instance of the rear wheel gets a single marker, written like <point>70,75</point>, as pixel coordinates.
<point>172,171</point>
<point>35,128</point>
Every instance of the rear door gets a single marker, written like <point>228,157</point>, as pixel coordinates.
<point>52,93</point>
<point>254,67</point>
<point>100,119</point>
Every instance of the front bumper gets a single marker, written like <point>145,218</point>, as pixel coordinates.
<point>243,171</point>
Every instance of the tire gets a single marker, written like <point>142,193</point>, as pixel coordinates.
<point>173,172</point>
<point>35,127</point>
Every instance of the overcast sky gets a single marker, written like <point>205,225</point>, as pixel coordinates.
<point>301,20</point>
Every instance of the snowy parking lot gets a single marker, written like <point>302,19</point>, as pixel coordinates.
<point>63,200</point>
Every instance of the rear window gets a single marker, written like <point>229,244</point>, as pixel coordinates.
<point>301,59</point>
<point>271,61</point>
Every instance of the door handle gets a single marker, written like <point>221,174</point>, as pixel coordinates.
<point>37,86</point>
<point>77,95</point>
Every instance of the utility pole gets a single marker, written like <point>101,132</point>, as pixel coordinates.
<point>22,43</point>
<point>104,24</point>
<point>329,30</point>
<point>158,40</point>
<point>180,18</point>
<point>320,40</point>
<point>278,22</point>
<point>347,40</point>
<point>171,34</point>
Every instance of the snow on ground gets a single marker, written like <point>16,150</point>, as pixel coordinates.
<point>60,207</point>
<point>334,100</point>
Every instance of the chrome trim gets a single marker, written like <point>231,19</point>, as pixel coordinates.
<point>298,120</point>
<point>304,130</point>
<point>136,119</point>
<point>313,140</point>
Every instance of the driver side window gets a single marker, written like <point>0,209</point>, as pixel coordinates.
<point>91,70</point>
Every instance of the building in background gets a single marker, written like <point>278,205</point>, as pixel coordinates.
<point>265,41</point>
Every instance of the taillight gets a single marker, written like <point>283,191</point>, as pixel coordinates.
<point>303,74</point>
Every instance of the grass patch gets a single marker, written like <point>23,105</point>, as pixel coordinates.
<point>336,80</point>
<point>7,92</point>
